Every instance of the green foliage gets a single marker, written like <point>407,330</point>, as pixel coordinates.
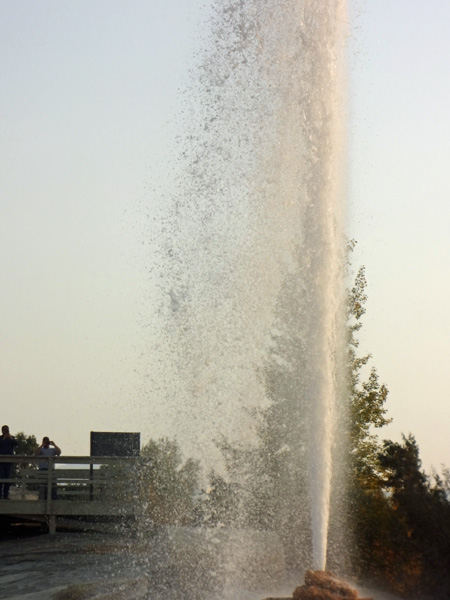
<point>276,473</point>
<point>367,409</point>
<point>221,502</point>
<point>366,413</point>
<point>120,486</point>
<point>27,444</point>
<point>420,533</point>
<point>372,520</point>
<point>402,468</point>
<point>402,522</point>
<point>168,485</point>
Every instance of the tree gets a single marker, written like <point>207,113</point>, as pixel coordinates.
<point>403,474</point>
<point>367,512</point>
<point>276,472</point>
<point>420,533</point>
<point>367,409</point>
<point>168,485</point>
<point>220,504</point>
<point>27,444</point>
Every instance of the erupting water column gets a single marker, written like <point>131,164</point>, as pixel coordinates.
<point>322,128</point>
<point>260,202</point>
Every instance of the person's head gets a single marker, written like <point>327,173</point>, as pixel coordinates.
<point>5,429</point>
<point>46,441</point>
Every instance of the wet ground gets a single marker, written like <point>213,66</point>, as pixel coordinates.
<point>119,566</point>
<point>102,566</point>
<point>35,566</point>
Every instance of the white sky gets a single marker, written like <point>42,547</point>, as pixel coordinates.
<point>88,89</point>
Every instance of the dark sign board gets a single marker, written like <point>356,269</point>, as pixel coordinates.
<point>106,443</point>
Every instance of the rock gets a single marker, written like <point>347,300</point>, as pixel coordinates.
<point>123,589</point>
<point>312,592</point>
<point>324,585</point>
<point>330,581</point>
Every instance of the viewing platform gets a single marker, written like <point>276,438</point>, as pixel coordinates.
<point>71,486</point>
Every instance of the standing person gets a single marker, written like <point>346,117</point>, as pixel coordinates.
<point>47,448</point>
<point>8,444</point>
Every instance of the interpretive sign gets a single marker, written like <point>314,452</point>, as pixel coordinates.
<point>108,443</point>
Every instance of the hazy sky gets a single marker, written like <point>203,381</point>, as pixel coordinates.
<point>88,90</point>
<point>399,207</point>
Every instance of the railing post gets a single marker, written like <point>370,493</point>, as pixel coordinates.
<point>22,480</point>
<point>91,481</point>
<point>52,524</point>
<point>49,484</point>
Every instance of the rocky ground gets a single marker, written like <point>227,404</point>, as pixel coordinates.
<point>119,566</point>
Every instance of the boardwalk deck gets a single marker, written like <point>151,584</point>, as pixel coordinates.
<point>71,486</point>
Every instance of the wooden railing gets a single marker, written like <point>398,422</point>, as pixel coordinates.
<point>71,486</point>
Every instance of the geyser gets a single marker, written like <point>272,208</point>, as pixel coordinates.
<point>252,255</point>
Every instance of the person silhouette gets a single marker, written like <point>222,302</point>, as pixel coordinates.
<point>8,445</point>
<point>47,448</point>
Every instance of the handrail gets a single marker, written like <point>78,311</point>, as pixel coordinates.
<point>95,460</point>
<point>73,486</point>
<point>80,478</point>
